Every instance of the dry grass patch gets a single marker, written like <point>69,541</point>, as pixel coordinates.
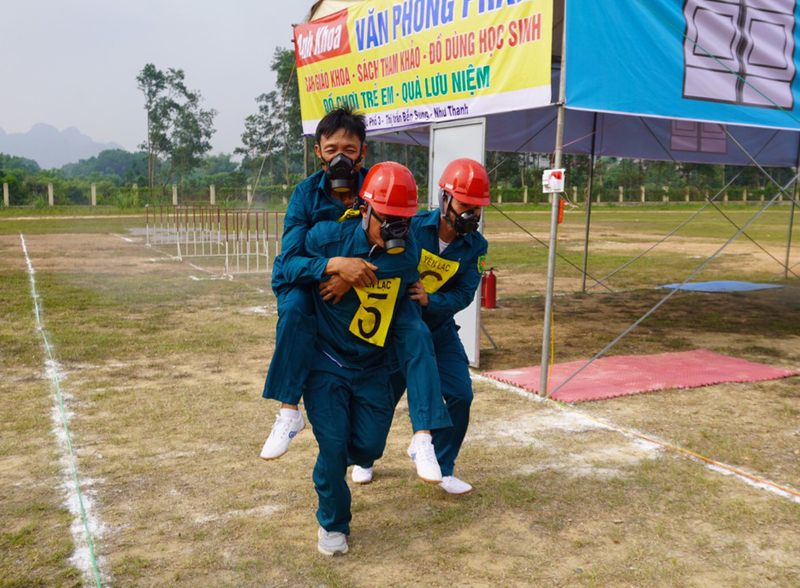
<point>165,375</point>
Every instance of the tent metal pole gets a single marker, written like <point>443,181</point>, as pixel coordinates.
<point>791,227</point>
<point>589,206</point>
<point>551,250</point>
<point>781,189</point>
<point>791,218</point>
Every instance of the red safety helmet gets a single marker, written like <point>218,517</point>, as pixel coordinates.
<point>390,189</point>
<point>467,181</point>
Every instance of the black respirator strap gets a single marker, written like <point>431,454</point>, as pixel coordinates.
<point>446,196</point>
<point>366,218</point>
<point>360,158</point>
<point>446,201</point>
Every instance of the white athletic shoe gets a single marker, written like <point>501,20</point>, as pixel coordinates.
<point>361,475</point>
<point>453,485</point>
<point>283,431</point>
<point>421,451</point>
<point>332,543</point>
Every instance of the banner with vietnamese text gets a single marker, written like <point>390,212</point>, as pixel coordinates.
<point>412,62</point>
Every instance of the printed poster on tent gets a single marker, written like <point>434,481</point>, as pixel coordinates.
<point>717,61</point>
<point>414,62</point>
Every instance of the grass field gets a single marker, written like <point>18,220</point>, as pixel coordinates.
<point>162,373</point>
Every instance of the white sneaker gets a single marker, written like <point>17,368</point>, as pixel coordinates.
<point>421,451</point>
<point>283,431</point>
<point>332,543</point>
<point>361,475</point>
<point>453,485</point>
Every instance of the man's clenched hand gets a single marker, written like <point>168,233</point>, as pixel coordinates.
<point>333,289</point>
<point>353,270</point>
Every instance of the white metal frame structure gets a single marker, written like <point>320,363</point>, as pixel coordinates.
<point>248,240</point>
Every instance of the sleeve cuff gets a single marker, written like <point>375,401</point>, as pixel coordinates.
<point>319,268</point>
<point>434,302</point>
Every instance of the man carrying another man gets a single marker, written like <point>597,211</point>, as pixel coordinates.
<point>330,195</point>
<point>348,397</point>
<point>347,394</point>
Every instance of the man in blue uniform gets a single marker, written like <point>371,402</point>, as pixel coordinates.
<point>326,195</point>
<point>451,264</point>
<point>347,395</point>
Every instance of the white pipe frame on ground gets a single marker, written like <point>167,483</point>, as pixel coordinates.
<point>247,240</point>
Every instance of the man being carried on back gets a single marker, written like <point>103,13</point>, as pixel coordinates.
<point>326,195</point>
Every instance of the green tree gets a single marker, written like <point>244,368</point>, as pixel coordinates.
<point>218,164</point>
<point>276,128</point>
<point>284,65</point>
<point>117,162</point>
<point>259,133</point>
<point>177,127</point>
<point>191,138</point>
<point>12,162</point>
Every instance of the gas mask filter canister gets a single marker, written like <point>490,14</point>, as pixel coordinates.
<point>341,173</point>
<point>394,230</point>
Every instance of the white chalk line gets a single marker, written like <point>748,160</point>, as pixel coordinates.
<point>209,279</point>
<point>83,525</point>
<point>718,467</point>
<point>198,268</point>
<point>123,238</point>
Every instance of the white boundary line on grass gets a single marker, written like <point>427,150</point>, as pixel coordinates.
<point>85,523</point>
<point>719,467</point>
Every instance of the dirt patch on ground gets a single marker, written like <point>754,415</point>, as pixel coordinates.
<point>164,376</point>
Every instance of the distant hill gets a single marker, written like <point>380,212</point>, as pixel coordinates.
<point>52,148</point>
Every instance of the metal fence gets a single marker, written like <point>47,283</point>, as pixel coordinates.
<point>247,240</point>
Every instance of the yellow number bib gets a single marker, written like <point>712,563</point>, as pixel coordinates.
<point>435,271</point>
<point>372,319</point>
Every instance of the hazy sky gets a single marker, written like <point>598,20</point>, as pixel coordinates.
<point>73,63</point>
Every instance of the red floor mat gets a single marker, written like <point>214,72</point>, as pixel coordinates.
<point>622,375</point>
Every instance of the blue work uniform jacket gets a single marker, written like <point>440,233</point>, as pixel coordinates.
<point>342,348</point>
<point>457,292</point>
<point>310,204</point>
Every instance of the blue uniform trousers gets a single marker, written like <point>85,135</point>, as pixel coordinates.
<point>453,366</point>
<point>416,351</point>
<point>350,412</point>
<point>294,340</point>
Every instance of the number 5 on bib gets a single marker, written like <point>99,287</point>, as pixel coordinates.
<point>372,319</point>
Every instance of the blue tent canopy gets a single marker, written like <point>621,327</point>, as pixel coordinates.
<point>625,135</point>
<point>656,79</point>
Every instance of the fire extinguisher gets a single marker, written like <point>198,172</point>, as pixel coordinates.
<point>489,289</point>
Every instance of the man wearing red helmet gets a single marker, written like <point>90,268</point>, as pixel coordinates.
<point>347,394</point>
<point>451,263</point>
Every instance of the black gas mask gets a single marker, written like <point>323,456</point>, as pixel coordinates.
<point>341,173</point>
<point>466,222</point>
<point>394,230</point>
